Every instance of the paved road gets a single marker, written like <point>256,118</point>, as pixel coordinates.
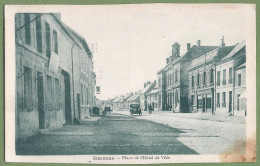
<point>113,134</point>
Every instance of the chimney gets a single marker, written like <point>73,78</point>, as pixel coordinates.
<point>167,60</point>
<point>222,42</point>
<point>198,43</point>
<point>188,46</point>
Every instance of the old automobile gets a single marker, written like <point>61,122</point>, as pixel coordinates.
<point>135,109</point>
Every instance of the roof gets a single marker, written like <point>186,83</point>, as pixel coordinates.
<point>241,65</point>
<point>211,56</point>
<point>223,51</point>
<point>148,88</point>
<point>193,53</point>
<point>117,99</point>
<point>128,96</point>
<point>155,90</point>
<point>237,48</point>
<point>80,38</point>
<point>134,97</point>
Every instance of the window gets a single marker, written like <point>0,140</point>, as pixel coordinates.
<point>218,78</point>
<point>192,81</point>
<point>230,76</point>
<point>223,99</point>
<point>176,75</point>
<point>192,100</point>
<point>204,78</point>
<point>218,100</point>
<point>198,80</point>
<point>55,41</point>
<point>87,95</point>
<point>224,77</point>
<point>49,92</point>
<point>28,88</point>
<point>57,93</point>
<point>238,101</point>
<point>208,102</point>
<point>27,28</point>
<point>199,104</point>
<point>48,40</point>
<point>39,33</point>
<point>211,76</point>
<point>239,80</point>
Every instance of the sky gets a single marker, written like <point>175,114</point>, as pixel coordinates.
<point>133,41</point>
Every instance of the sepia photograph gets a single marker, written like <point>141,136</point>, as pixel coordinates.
<point>129,84</point>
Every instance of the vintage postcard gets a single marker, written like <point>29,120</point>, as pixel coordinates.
<point>130,84</point>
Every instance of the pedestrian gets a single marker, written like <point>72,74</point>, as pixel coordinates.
<point>150,109</point>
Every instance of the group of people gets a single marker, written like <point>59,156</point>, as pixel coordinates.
<point>167,107</point>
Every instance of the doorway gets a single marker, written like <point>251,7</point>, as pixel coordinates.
<point>230,102</point>
<point>67,98</point>
<point>40,93</point>
<point>203,104</point>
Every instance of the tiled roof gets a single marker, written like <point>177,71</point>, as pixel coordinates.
<point>237,48</point>
<point>127,96</point>
<point>196,52</point>
<point>136,96</point>
<point>241,65</point>
<point>223,51</point>
<point>155,90</point>
<point>148,87</point>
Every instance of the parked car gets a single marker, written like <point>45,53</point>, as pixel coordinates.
<point>106,109</point>
<point>95,110</point>
<point>135,109</point>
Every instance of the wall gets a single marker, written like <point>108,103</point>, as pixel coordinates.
<point>228,87</point>
<point>27,55</point>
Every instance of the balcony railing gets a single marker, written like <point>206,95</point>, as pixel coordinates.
<point>224,82</point>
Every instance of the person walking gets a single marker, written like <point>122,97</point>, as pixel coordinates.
<point>150,109</point>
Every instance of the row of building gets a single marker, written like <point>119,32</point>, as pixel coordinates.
<point>206,79</point>
<point>55,79</point>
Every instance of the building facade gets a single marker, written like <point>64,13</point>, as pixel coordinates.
<point>152,99</point>
<point>45,84</point>
<point>203,77</point>
<point>240,98</point>
<point>148,86</point>
<point>225,79</point>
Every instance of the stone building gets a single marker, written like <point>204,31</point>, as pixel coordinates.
<point>45,73</point>
<point>83,76</point>
<point>225,79</point>
<point>152,98</point>
<point>202,77</point>
<point>148,86</point>
<point>240,98</point>
<point>161,89</point>
<point>175,77</point>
